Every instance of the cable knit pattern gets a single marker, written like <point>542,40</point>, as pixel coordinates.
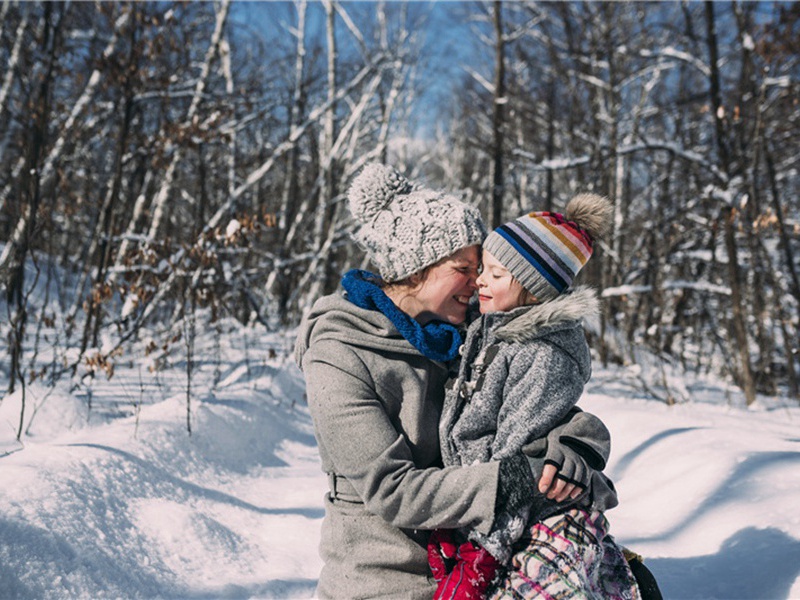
<point>374,188</point>
<point>404,227</point>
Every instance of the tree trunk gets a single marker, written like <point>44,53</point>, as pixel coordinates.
<point>100,256</point>
<point>714,87</point>
<point>46,173</point>
<point>31,194</point>
<point>11,67</point>
<point>275,284</point>
<point>159,206</point>
<point>327,160</point>
<point>738,317</point>
<point>498,118</point>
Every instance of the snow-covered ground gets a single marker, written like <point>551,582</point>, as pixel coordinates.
<point>95,504</point>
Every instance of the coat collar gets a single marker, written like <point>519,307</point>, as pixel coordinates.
<point>526,323</point>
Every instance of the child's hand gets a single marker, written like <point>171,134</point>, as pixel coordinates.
<point>555,488</point>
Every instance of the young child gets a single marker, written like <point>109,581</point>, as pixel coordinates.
<point>523,367</point>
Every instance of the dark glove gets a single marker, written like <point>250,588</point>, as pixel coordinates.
<point>585,434</point>
<point>576,447</point>
<point>603,496</point>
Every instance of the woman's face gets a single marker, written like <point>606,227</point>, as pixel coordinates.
<point>497,289</point>
<point>445,293</point>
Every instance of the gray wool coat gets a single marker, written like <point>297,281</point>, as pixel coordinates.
<point>376,403</point>
<point>498,405</point>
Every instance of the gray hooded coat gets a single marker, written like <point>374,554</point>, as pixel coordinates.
<point>376,403</point>
<point>500,404</point>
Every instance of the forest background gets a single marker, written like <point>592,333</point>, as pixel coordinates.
<point>167,165</point>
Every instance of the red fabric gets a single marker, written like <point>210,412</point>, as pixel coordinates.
<point>471,574</point>
<point>441,547</point>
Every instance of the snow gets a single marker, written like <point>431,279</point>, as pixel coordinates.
<point>121,501</point>
<point>233,228</point>
<point>702,286</point>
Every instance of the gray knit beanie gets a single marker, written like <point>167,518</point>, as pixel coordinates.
<point>544,251</point>
<point>405,227</point>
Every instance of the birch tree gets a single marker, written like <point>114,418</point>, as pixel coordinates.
<point>17,249</point>
<point>498,118</point>
<point>159,205</point>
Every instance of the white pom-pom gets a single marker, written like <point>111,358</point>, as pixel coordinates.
<point>374,188</point>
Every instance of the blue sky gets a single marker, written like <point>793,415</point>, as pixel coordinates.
<point>448,41</point>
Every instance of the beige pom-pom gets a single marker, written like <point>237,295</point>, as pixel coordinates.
<point>592,213</point>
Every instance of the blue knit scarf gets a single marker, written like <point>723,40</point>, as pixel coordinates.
<point>436,339</point>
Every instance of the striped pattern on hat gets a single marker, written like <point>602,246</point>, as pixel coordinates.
<point>542,250</point>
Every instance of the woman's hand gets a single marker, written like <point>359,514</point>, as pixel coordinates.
<point>556,488</point>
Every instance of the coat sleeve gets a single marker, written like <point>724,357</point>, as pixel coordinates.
<point>364,446</point>
<point>543,384</point>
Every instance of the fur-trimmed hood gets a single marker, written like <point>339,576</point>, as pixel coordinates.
<point>529,322</point>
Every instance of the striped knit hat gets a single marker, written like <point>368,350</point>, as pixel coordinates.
<point>544,251</point>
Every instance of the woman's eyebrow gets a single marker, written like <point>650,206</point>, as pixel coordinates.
<point>465,263</point>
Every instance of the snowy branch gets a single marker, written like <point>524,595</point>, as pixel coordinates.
<point>700,286</point>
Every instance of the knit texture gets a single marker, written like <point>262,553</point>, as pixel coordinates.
<point>544,251</point>
<point>404,227</point>
<point>436,340</point>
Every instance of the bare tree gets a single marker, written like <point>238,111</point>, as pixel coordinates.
<point>165,165</point>
<point>498,118</point>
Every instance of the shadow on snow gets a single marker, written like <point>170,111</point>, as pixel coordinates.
<point>752,564</point>
<point>161,475</point>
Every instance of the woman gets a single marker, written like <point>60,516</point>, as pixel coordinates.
<point>375,364</point>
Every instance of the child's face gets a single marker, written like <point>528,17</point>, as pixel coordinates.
<point>497,289</point>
